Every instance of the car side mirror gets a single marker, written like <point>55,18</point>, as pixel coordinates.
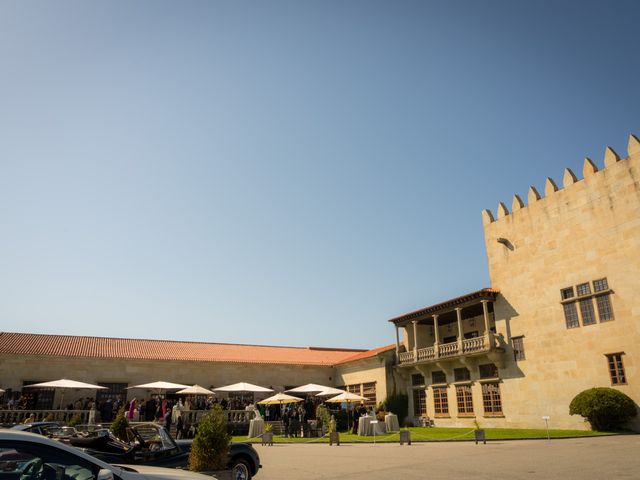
<point>105,474</point>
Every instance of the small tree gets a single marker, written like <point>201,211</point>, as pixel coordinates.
<point>120,425</point>
<point>604,408</point>
<point>397,403</point>
<point>75,420</point>
<point>210,448</point>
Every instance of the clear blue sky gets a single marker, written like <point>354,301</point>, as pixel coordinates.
<point>291,173</point>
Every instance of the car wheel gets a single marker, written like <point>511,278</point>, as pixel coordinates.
<point>241,469</point>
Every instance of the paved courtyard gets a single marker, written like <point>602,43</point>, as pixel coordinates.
<point>584,458</point>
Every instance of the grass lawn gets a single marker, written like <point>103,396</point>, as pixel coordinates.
<point>430,434</point>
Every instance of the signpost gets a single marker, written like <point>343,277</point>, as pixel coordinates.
<point>546,422</point>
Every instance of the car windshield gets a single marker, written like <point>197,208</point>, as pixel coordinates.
<point>155,437</point>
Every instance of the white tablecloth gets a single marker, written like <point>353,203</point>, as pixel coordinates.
<point>256,427</point>
<point>391,422</point>
<point>365,427</point>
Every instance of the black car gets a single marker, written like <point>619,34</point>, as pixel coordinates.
<point>152,445</point>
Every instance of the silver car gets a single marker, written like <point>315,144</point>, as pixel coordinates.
<point>27,456</point>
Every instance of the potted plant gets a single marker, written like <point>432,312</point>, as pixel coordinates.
<point>479,433</point>
<point>267,436</point>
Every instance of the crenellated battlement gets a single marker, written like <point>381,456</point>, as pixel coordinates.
<point>569,178</point>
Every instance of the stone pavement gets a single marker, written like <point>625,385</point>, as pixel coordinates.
<point>584,458</point>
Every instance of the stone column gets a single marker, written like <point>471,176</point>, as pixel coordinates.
<point>459,315</point>
<point>415,340</point>
<point>437,336</point>
<point>488,334</point>
<point>397,344</point>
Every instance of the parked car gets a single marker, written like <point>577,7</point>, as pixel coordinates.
<point>151,444</point>
<point>29,456</point>
<point>36,427</point>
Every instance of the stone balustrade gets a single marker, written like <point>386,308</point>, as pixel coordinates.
<point>64,416</point>
<point>468,346</point>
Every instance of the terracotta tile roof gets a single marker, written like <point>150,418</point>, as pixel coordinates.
<point>101,347</point>
<point>483,294</point>
<point>369,353</point>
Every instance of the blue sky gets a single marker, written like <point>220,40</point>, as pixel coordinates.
<point>291,173</point>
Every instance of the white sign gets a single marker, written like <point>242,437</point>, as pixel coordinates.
<point>546,417</point>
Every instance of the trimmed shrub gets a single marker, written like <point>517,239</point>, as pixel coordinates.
<point>120,425</point>
<point>606,409</point>
<point>397,403</point>
<point>210,448</point>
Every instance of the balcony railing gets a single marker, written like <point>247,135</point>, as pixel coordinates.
<point>469,346</point>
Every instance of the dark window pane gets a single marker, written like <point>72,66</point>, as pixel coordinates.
<point>417,379</point>
<point>616,369</point>
<point>583,289</point>
<point>600,285</point>
<point>518,348</point>
<point>586,309</point>
<point>438,377</point>
<point>461,374</point>
<point>419,402</point>
<point>566,293</point>
<point>464,399</point>
<point>571,315</point>
<point>604,308</point>
<point>488,370</point>
<point>440,401</point>
<point>491,399</point>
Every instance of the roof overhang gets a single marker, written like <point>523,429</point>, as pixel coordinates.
<point>470,299</point>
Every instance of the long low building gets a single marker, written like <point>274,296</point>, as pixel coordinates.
<point>119,363</point>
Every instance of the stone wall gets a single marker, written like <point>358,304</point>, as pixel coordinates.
<point>587,230</point>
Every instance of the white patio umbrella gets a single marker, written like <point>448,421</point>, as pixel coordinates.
<point>1,390</point>
<point>160,385</point>
<point>315,388</point>
<point>243,387</point>
<point>64,384</point>
<point>280,399</point>
<point>328,393</point>
<point>347,397</point>
<point>195,390</point>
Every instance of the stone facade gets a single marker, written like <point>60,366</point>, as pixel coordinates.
<point>586,231</point>
<point>553,262</point>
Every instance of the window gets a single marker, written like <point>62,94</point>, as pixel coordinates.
<point>600,285</point>
<point>491,399</point>
<point>571,315</point>
<point>488,370</point>
<point>465,400</point>
<point>616,369</point>
<point>473,334</point>
<point>461,374</point>
<point>354,389</point>
<point>583,289</point>
<point>450,339</point>
<point>419,402</point>
<point>440,401</point>
<point>38,398</point>
<point>518,348</point>
<point>602,295</point>
<point>438,377</point>
<point>604,307</point>
<point>417,379</point>
<point>586,310</point>
<point>369,391</point>
<point>36,461</point>
<point>116,391</point>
